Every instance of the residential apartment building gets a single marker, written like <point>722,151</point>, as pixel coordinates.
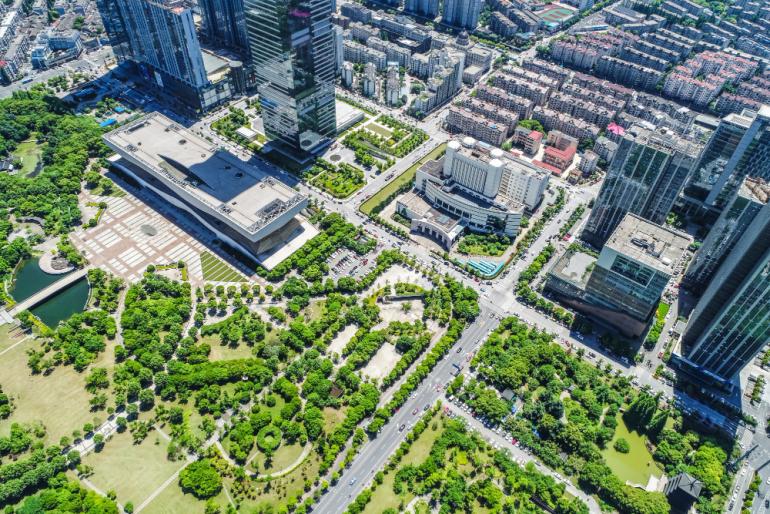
<point>554,120</point>
<point>520,105</point>
<point>463,14</point>
<point>463,120</point>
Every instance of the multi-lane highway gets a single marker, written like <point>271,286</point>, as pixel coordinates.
<point>374,454</point>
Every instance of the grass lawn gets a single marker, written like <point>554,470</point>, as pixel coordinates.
<point>637,465</point>
<point>283,457</point>
<point>9,336</point>
<point>332,418</point>
<point>132,471</point>
<point>273,494</point>
<point>379,129</point>
<point>384,497</point>
<point>29,152</point>
<point>663,309</point>
<point>313,310</point>
<point>173,499</point>
<point>405,178</point>
<point>216,270</point>
<point>484,244</point>
<point>220,352</point>
<point>58,400</point>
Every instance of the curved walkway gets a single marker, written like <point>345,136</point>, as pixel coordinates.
<point>285,471</point>
<point>47,266</point>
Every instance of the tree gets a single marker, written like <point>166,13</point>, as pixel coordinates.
<point>201,479</point>
<point>622,446</point>
<point>532,125</point>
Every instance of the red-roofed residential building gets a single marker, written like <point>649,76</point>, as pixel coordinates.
<point>529,139</point>
<point>560,151</point>
<point>548,167</point>
<point>561,159</point>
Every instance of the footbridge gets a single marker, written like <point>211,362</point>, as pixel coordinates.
<point>45,293</point>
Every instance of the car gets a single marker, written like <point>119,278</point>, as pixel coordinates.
<point>459,349</point>
<point>427,406</point>
<point>767,504</point>
<point>415,411</point>
<point>402,427</point>
<point>353,481</point>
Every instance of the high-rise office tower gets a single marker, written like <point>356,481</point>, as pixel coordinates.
<point>462,14</point>
<point>644,178</point>
<point>160,39</point>
<point>426,8</point>
<point>622,287</point>
<point>224,23</point>
<point>293,57</point>
<point>162,35</point>
<point>339,48</point>
<point>720,148</point>
<point>731,322</point>
<point>751,158</point>
<point>734,220</point>
<point>112,20</point>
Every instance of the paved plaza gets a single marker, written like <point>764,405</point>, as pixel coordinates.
<point>131,235</point>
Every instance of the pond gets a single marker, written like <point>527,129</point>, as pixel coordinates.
<point>637,465</point>
<point>30,279</point>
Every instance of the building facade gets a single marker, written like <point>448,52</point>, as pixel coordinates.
<point>425,8</point>
<point>622,287</point>
<point>645,176</point>
<point>160,40</point>
<point>293,56</point>
<point>463,14</point>
<point>716,156</point>
<point>224,23</point>
<point>734,220</point>
<point>731,322</point>
<point>751,158</point>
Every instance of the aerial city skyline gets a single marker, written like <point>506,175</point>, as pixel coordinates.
<point>385,256</point>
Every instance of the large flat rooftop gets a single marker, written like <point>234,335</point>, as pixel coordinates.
<point>653,245</point>
<point>246,196</point>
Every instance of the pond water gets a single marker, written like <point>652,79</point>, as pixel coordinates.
<point>637,465</point>
<point>30,279</point>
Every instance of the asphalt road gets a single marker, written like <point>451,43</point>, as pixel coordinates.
<point>374,454</point>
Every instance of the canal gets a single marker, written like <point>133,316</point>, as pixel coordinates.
<point>30,279</point>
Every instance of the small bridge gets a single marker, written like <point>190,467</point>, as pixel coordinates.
<point>49,291</point>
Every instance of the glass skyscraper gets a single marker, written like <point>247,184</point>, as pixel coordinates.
<point>732,223</point>
<point>644,178</point>
<point>731,322</point>
<point>463,14</point>
<point>721,147</point>
<point>293,59</point>
<point>224,23</point>
<point>112,20</point>
<point>158,38</point>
